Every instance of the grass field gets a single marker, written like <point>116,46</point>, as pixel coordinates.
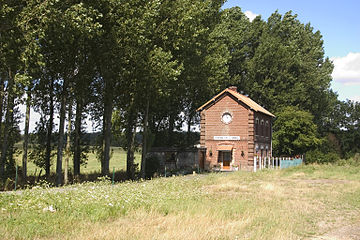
<point>307,202</point>
<point>117,161</point>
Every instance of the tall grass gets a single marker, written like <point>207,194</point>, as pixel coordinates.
<point>277,204</point>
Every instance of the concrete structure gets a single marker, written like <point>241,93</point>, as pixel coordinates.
<point>234,129</point>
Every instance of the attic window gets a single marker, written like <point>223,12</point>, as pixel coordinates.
<point>226,118</point>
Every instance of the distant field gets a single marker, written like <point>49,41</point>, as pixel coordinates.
<point>117,161</point>
<point>306,202</point>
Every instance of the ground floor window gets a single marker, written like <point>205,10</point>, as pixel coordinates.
<point>224,156</point>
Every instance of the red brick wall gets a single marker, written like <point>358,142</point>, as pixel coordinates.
<point>251,144</point>
<point>241,125</point>
<point>202,129</point>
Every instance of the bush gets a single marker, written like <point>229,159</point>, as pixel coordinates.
<point>353,161</point>
<point>317,156</point>
<point>152,166</point>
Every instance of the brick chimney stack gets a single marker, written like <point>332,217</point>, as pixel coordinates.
<point>233,88</point>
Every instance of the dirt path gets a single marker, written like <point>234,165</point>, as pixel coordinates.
<point>351,232</point>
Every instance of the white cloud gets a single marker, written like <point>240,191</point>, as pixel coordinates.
<point>355,98</point>
<point>347,69</point>
<point>251,16</point>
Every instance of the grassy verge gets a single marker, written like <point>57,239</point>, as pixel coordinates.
<point>288,204</point>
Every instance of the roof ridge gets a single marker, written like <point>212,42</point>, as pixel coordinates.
<point>245,99</point>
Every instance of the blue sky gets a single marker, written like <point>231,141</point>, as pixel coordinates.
<point>338,22</point>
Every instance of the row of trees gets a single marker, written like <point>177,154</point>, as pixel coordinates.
<point>148,65</point>
<point>124,64</point>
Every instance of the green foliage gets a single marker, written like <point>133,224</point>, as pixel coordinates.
<point>152,166</point>
<point>344,124</point>
<point>279,62</point>
<point>12,152</point>
<point>233,34</point>
<point>352,161</point>
<point>294,132</point>
<point>37,154</point>
<point>317,156</point>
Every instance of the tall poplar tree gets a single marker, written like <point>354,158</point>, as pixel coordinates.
<point>11,47</point>
<point>60,30</point>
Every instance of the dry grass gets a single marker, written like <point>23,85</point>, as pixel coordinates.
<point>308,202</point>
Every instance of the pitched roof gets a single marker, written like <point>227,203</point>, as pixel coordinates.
<point>246,100</point>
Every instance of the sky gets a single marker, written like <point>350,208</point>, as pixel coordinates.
<point>339,24</point>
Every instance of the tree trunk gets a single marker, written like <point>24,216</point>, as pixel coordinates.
<point>68,145</point>
<point>130,170</point>
<point>188,134</point>
<point>77,146</point>
<point>61,135</point>
<point>130,142</point>
<point>7,124</point>
<point>107,134</point>
<point>49,133</point>
<point>26,135</point>
<point>171,130</point>
<point>2,90</point>
<point>144,142</point>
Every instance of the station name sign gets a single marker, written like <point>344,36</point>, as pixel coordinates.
<point>233,138</point>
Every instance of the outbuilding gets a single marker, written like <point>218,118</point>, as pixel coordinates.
<point>233,129</point>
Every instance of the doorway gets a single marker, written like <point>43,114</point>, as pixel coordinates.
<point>202,159</point>
<point>225,158</point>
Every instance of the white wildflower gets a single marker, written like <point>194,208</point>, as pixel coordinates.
<point>49,208</point>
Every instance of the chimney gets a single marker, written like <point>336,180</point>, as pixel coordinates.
<point>233,88</point>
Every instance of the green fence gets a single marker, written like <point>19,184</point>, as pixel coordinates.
<point>285,163</point>
<point>276,162</point>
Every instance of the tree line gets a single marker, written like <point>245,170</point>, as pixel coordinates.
<point>146,66</point>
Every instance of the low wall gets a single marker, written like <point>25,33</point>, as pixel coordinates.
<point>176,159</point>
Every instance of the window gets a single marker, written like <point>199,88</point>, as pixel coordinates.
<point>227,156</point>
<point>267,129</point>
<point>226,118</point>
<point>224,156</point>
<point>257,126</point>
<point>262,127</point>
<point>170,157</point>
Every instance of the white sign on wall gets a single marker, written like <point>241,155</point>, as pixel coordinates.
<point>233,138</point>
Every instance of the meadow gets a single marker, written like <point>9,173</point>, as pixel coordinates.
<point>306,202</point>
<point>117,162</point>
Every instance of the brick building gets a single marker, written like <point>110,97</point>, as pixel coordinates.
<point>233,129</point>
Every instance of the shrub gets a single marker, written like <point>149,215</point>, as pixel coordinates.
<point>317,156</point>
<point>352,161</point>
<point>152,166</point>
